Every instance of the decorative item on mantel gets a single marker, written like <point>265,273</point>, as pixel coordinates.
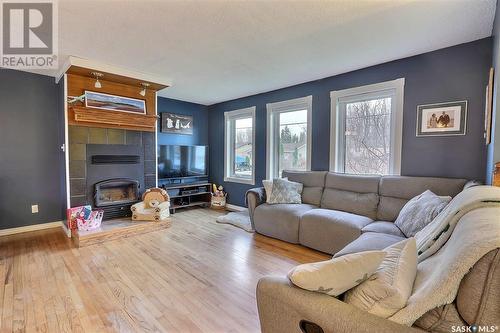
<point>496,175</point>
<point>218,198</point>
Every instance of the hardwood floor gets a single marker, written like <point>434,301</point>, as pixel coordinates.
<point>196,276</point>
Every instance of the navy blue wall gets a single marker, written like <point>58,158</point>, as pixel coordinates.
<point>200,122</point>
<point>31,161</point>
<point>455,73</point>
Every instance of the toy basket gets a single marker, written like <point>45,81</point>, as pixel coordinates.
<point>92,223</point>
<point>218,202</point>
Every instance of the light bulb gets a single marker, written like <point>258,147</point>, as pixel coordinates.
<point>144,87</point>
<point>97,76</point>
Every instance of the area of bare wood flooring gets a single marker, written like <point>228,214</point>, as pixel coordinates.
<point>197,276</point>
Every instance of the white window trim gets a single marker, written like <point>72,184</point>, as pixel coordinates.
<point>396,121</point>
<point>236,114</point>
<point>274,109</point>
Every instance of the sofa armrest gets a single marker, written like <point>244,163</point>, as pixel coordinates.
<point>254,197</point>
<point>282,307</point>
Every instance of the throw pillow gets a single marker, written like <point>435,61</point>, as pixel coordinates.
<point>387,291</point>
<point>268,187</point>
<point>286,192</point>
<point>419,212</point>
<point>335,276</point>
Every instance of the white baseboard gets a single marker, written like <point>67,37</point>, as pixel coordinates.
<point>235,208</point>
<point>34,227</point>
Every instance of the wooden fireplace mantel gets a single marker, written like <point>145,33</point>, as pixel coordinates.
<point>80,115</point>
<point>84,116</point>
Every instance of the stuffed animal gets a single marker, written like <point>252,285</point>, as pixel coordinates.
<point>155,206</point>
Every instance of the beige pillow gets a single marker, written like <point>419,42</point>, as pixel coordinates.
<point>333,277</point>
<point>388,290</point>
<point>268,187</point>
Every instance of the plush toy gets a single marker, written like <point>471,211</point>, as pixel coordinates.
<point>155,206</point>
<point>218,191</point>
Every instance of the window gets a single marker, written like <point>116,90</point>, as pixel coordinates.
<point>289,136</point>
<point>239,152</point>
<point>366,129</point>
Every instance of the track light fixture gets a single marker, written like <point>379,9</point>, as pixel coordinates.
<point>144,87</point>
<point>97,76</point>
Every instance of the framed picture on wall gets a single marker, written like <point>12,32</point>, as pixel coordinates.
<point>114,103</point>
<point>176,123</point>
<point>442,119</point>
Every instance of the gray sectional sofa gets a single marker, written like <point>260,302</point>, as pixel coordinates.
<point>342,213</point>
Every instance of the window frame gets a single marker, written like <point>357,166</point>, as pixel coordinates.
<point>393,88</point>
<point>229,140</point>
<point>272,141</point>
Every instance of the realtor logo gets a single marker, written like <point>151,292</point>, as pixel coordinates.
<point>29,34</point>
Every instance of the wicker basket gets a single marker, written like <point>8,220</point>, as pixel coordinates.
<point>218,202</point>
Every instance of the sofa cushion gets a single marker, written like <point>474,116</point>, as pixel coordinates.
<point>478,298</point>
<point>353,202</point>
<point>353,183</point>
<point>330,230</point>
<point>268,186</point>
<point>355,194</point>
<point>420,211</point>
<point>313,181</point>
<point>280,220</point>
<point>335,276</point>
<point>369,241</point>
<point>395,191</point>
<point>285,192</point>
<point>388,290</point>
<point>383,227</point>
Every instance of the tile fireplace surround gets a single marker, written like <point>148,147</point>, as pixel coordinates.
<point>80,136</point>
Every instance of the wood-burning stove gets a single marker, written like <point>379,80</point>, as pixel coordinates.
<point>115,178</point>
<point>116,196</point>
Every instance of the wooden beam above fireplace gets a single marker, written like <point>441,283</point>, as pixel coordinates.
<point>84,67</point>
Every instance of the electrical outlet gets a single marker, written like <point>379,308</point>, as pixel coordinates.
<point>34,209</point>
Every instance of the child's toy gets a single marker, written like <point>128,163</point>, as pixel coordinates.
<point>155,206</point>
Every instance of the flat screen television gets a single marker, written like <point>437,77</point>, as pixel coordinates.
<point>175,161</point>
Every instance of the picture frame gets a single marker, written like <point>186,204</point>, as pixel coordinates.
<point>176,123</point>
<point>488,109</point>
<point>442,119</point>
<point>103,101</point>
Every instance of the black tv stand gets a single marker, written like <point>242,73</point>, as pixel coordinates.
<point>189,195</point>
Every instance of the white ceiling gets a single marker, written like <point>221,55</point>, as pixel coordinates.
<point>213,51</point>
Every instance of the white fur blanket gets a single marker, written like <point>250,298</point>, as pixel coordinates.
<point>431,238</point>
<point>439,276</point>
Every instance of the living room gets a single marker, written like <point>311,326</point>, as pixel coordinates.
<point>274,166</point>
